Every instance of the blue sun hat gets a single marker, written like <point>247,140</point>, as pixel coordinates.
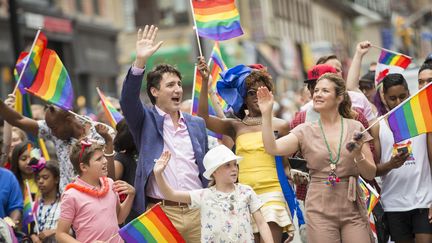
<point>232,86</point>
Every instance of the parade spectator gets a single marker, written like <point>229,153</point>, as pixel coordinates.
<point>408,216</point>
<point>125,160</point>
<point>425,74</point>
<point>163,127</point>
<point>60,126</point>
<point>358,100</point>
<point>20,167</point>
<point>11,200</point>
<point>226,207</point>
<point>90,204</point>
<point>335,212</point>
<point>238,88</point>
<point>47,213</point>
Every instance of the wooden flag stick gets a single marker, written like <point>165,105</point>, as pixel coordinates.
<point>196,29</point>
<point>387,50</point>
<point>28,60</point>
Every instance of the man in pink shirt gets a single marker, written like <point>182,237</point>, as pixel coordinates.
<point>162,127</point>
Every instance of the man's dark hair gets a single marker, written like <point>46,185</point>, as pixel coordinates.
<point>155,76</point>
<point>425,66</point>
<point>324,59</point>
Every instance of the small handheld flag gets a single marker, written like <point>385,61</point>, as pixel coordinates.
<point>111,112</point>
<point>390,62</point>
<point>151,226</point>
<point>413,117</point>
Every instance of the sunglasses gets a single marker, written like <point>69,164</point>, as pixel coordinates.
<point>251,93</point>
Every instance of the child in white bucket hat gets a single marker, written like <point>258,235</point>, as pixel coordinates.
<point>226,207</point>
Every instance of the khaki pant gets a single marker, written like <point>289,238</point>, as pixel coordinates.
<point>187,221</point>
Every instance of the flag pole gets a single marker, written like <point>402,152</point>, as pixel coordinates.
<point>25,64</point>
<point>80,116</point>
<point>103,103</point>
<point>193,89</point>
<point>196,29</point>
<point>387,50</point>
<point>398,106</point>
<point>31,203</point>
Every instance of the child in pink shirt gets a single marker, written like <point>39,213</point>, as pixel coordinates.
<point>90,205</point>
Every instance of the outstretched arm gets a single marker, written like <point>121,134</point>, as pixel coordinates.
<point>167,191</point>
<point>354,72</point>
<point>288,144</point>
<point>130,102</point>
<point>16,119</point>
<point>216,124</point>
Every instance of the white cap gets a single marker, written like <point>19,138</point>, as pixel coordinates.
<point>216,157</point>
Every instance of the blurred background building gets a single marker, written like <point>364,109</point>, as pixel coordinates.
<point>96,38</point>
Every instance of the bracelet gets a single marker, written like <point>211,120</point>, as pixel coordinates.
<point>109,155</point>
<point>363,158</point>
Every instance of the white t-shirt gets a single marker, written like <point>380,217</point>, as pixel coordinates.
<point>226,217</point>
<point>358,101</point>
<point>409,186</point>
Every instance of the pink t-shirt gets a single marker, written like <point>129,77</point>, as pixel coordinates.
<point>91,217</point>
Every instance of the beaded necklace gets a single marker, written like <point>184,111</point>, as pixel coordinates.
<point>43,221</point>
<point>332,178</point>
<point>252,121</point>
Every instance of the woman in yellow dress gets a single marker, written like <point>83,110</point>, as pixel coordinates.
<point>238,88</point>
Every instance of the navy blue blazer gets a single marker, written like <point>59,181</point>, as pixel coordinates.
<point>146,126</point>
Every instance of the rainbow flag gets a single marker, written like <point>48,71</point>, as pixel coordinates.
<point>111,112</point>
<point>372,196</point>
<point>33,61</point>
<point>151,226</point>
<point>217,67</point>
<point>195,101</point>
<point>412,117</point>
<point>390,62</point>
<point>52,82</point>
<point>28,208</point>
<point>217,19</point>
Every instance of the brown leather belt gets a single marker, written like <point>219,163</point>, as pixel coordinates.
<point>167,202</point>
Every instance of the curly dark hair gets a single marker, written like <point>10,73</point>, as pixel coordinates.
<point>155,76</point>
<point>254,77</point>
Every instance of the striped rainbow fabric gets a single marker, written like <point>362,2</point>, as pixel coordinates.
<point>52,82</point>
<point>151,226</point>
<point>413,117</point>
<point>28,208</point>
<point>390,62</point>
<point>217,67</point>
<point>33,62</point>
<point>111,112</point>
<point>195,101</point>
<point>217,19</point>
<point>372,198</point>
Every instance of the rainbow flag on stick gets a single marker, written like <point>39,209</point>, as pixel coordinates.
<point>29,210</point>
<point>217,19</point>
<point>52,82</point>
<point>151,226</point>
<point>413,116</point>
<point>111,112</point>
<point>217,67</point>
<point>390,62</point>
<point>27,65</point>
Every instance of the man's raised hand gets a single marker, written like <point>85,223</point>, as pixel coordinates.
<point>145,45</point>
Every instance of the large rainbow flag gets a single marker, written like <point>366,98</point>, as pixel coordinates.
<point>390,62</point>
<point>111,112</point>
<point>151,226</point>
<point>33,61</point>
<point>218,66</point>
<point>52,82</point>
<point>217,19</point>
<point>412,117</point>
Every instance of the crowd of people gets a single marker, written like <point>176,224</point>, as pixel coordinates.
<point>228,189</point>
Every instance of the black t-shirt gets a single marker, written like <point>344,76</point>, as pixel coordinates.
<point>129,167</point>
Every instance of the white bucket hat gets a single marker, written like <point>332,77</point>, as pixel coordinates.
<point>216,157</point>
